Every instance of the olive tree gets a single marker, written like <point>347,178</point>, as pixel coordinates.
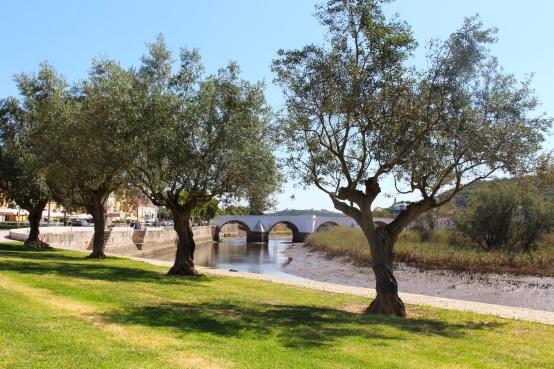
<point>358,113</point>
<point>204,137</point>
<point>21,177</point>
<point>89,152</point>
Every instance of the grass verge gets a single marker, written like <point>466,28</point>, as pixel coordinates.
<point>60,310</point>
<point>343,241</point>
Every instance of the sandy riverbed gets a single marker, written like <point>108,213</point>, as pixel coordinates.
<point>523,291</point>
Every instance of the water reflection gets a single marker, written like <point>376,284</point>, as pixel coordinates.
<point>236,254</point>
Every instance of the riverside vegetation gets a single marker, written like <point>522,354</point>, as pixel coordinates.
<point>445,250</point>
<point>60,310</point>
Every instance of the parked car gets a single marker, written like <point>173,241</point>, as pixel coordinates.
<point>81,223</point>
<point>150,223</point>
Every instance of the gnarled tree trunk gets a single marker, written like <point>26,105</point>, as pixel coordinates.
<point>387,301</point>
<point>184,258</point>
<point>96,209</point>
<point>35,214</point>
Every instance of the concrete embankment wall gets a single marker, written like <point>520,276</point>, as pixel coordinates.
<point>67,237</point>
<point>121,240</point>
<point>158,240</point>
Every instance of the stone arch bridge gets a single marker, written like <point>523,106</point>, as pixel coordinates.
<point>257,227</point>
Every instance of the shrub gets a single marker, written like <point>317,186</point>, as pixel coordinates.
<point>424,225</point>
<point>501,216</point>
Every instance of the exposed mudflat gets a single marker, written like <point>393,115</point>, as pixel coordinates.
<point>502,289</point>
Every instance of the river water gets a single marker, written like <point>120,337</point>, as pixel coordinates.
<point>236,254</point>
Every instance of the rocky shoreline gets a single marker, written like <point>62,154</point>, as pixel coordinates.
<point>502,289</point>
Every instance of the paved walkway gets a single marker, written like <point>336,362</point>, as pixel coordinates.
<point>546,317</point>
<point>5,236</point>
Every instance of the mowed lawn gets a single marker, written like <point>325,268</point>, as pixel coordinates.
<point>60,310</point>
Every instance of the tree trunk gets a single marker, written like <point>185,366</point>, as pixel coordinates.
<point>96,209</point>
<point>35,214</point>
<point>387,301</point>
<point>184,258</point>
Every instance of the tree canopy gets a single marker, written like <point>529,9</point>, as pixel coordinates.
<point>358,112</point>
<point>203,137</point>
<point>22,174</point>
<point>92,142</point>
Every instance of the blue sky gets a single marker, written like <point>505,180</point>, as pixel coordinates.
<point>70,33</point>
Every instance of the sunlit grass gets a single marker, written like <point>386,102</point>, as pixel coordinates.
<point>60,310</point>
<point>343,241</point>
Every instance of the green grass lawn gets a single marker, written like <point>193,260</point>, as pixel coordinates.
<point>437,254</point>
<point>60,310</point>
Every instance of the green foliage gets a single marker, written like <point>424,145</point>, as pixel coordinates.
<point>382,213</point>
<point>89,129</point>
<point>164,213</point>
<point>358,112</point>
<point>206,136</point>
<point>235,210</point>
<point>424,225</point>
<point>501,215</point>
<point>207,211</point>
<point>22,178</point>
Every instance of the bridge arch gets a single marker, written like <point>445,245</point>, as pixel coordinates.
<point>290,225</point>
<point>326,225</point>
<point>216,231</point>
<point>241,224</point>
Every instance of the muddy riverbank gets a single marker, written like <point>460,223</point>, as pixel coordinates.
<point>521,291</point>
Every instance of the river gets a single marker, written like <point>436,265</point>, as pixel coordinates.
<point>236,254</point>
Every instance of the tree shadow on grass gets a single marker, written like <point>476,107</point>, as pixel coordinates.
<point>17,250</point>
<point>53,261</point>
<point>294,326</point>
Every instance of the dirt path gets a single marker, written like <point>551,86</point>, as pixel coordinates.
<point>521,291</point>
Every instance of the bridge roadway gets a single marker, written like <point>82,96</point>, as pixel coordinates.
<point>257,227</point>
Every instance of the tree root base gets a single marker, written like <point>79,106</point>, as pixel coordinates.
<point>97,255</point>
<point>390,305</point>
<point>184,271</point>
<point>36,244</point>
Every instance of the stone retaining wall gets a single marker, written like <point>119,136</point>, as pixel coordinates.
<point>121,240</point>
<point>66,237</point>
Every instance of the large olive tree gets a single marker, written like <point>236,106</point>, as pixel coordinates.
<point>358,113</point>
<point>89,151</point>
<point>204,137</point>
